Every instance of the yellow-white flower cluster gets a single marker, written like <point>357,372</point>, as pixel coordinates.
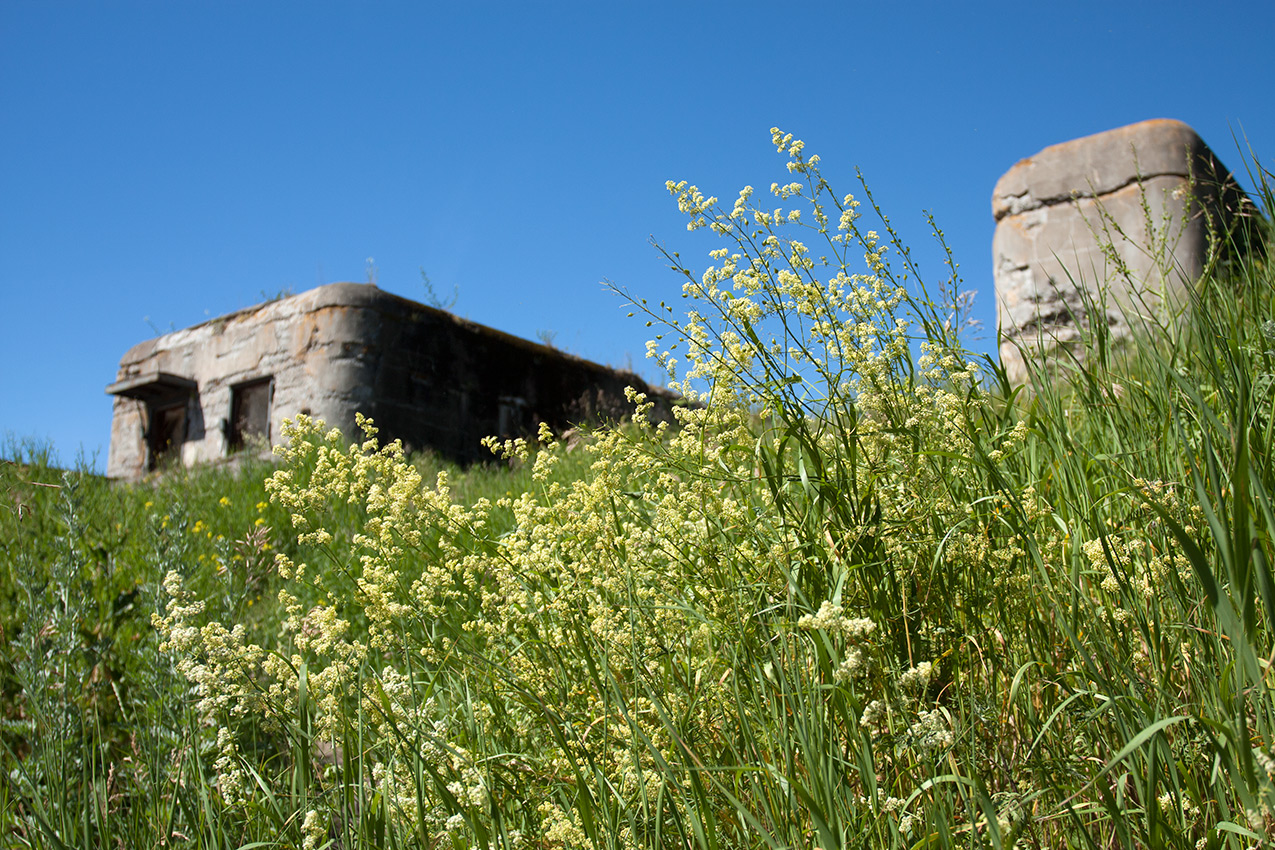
<point>499,648</point>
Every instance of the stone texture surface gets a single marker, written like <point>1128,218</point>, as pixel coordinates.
<point>427,377</point>
<point>1109,229</point>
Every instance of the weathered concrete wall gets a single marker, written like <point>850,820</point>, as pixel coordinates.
<point>427,377</point>
<point>1109,229</point>
<point>452,382</point>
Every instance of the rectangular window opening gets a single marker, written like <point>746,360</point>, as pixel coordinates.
<point>511,417</point>
<point>250,413</point>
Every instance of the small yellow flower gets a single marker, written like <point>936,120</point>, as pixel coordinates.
<point>224,501</point>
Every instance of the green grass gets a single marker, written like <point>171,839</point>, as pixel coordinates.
<point>868,595</point>
<point>94,725</point>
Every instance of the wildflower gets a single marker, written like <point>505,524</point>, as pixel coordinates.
<point>874,715</point>
<point>898,806</point>
<point>314,830</point>
<point>916,679</point>
<point>560,828</point>
<point>858,628</point>
<point>1265,762</point>
<point>828,618</point>
<point>853,666</point>
<point>930,732</point>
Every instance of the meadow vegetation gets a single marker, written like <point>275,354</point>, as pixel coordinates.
<point>864,593</point>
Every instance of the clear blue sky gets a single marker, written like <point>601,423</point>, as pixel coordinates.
<point>166,162</point>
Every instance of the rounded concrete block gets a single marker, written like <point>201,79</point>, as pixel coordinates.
<point>1112,228</point>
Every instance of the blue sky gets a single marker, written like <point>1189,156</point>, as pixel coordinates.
<point>164,163</point>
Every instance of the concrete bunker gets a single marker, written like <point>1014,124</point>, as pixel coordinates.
<point>222,388</point>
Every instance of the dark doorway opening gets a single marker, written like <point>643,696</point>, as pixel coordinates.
<point>166,433</point>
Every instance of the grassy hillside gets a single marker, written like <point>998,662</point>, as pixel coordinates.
<point>868,595</point>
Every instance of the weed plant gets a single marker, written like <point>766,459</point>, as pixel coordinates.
<point>97,741</point>
<point>865,593</point>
